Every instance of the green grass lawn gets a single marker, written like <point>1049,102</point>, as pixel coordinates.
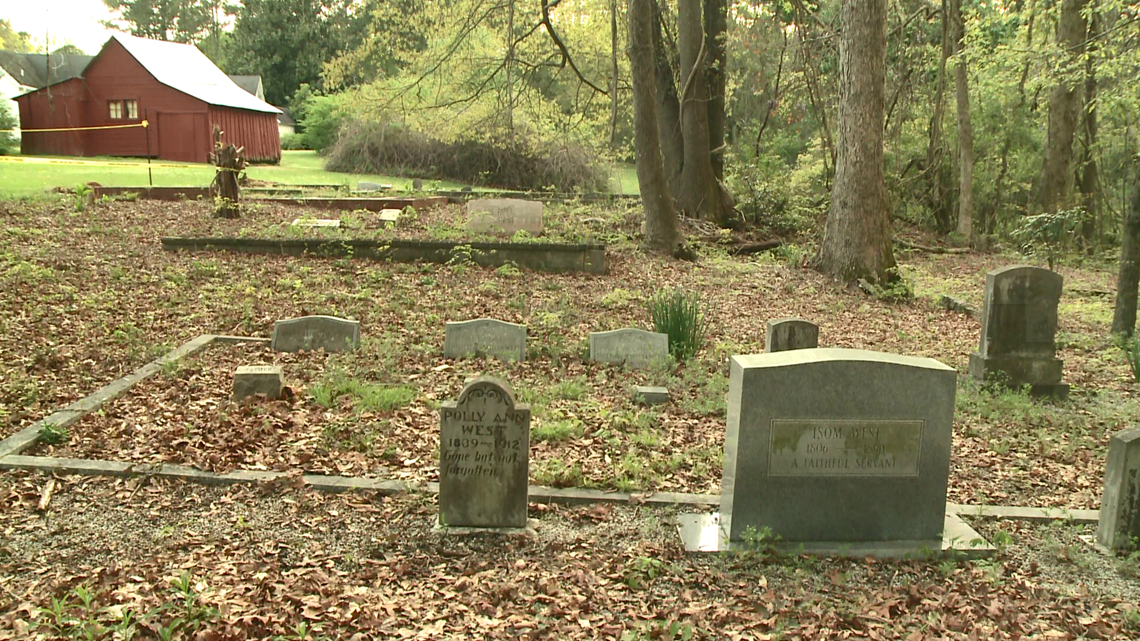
<point>23,179</point>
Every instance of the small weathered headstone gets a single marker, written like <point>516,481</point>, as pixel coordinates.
<point>838,446</point>
<point>634,347</point>
<point>485,337</point>
<point>251,380</point>
<point>417,184</point>
<point>389,216</point>
<point>370,186</point>
<point>484,451</point>
<point>649,395</point>
<point>316,222</point>
<point>1019,323</point>
<point>329,333</point>
<point>791,333</point>
<point>504,216</point>
<point>1119,526</point>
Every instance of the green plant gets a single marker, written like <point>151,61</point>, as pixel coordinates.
<point>897,288</point>
<point>82,196</point>
<point>678,315</point>
<point>1131,348</point>
<point>642,571</point>
<point>54,434</point>
<point>1047,235</point>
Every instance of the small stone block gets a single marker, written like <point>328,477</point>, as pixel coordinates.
<point>369,186</point>
<point>1120,504</point>
<point>251,380</point>
<point>316,222</point>
<point>389,216</point>
<point>651,395</point>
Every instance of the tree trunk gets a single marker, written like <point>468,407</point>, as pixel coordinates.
<point>1056,176</point>
<point>716,33</point>
<point>668,107</point>
<point>229,162</point>
<point>700,194</point>
<point>614,67</point>
<point>1089,170</point>
<point>965,129</point>
<point>1124,317</point>
<point>660,220</point>
<point>936,187</point>
<point>857,239</point>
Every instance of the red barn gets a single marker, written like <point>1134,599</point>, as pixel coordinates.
<point>174,87</point>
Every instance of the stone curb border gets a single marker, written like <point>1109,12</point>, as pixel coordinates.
<point>544,257</point>
<point>11,459</point>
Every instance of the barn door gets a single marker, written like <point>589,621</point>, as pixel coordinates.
<point>182,136</point>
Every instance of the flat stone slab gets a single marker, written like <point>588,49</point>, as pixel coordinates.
<point>651,395</point>
<point>251,380</point>
<point>504,216</point>
<point>316,222</point>
<point>636,348</point>
<point>704,533</point>
<point>388,216</point>
<point>485,337</point>
<point>329,333</point>
<point>369,186</point>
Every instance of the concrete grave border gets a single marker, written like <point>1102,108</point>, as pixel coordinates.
<point>11,458</point>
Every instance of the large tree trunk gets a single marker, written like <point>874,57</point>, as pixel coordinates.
<point>1056,176</point>
<point>668,107</point>
<point>1089,170</point>
<point>937,189</point>
<point>716,33</point>
<point>660,219</point>
<point>614,68</point>
<point>700,194</point>
<point>965,129</point>
<point>857,238</point>
<point>1124,318</point>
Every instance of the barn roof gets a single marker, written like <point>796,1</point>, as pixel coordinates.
<point>38,70</point>
<point>249,83</point>
<point>185,68</point>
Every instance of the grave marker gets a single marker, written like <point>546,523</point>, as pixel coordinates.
<point>250,380</point>
<point>504,216</point>
<point>329,333</point>
<point>484,450</point>
<point>634,347</point>
<point>838,446</point>
<point>316,222</point>
<point>790,333</point>
<point>1019,322</point>
<point>1119,525</point>
<point>485,337</point>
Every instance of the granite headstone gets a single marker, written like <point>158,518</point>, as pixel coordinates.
<point>790,333</point>
<point>1119,526</point>
<point>504,216</point>
<point>485,337</point>
<point>636,348</point>
<point>329,333</point>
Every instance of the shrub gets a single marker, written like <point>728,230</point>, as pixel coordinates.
<point>1131,347</point>
<point>293,141</point>
<point>678,315</point>
<point>389,148</point>
<point>321,122</point>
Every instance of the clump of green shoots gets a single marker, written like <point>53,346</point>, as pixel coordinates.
<point>678,315</point>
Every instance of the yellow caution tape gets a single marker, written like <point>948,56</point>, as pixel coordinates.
<point>144,124</point>
<point>97,163</point>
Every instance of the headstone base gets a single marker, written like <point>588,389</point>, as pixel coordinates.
<point>530,531</point>
<point>651,395</point>
<point>703,533</point>
<point>1043,375</point>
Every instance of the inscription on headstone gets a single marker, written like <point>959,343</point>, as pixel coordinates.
<point>1119,525</point>
<point>838,445</point>
<point>485,337</point>
<point>634,347</point>
<point>1019,323</point>
<point>504,216</point>
<point>484,451</point>
<point>790,333</point>
<point>329,333</point>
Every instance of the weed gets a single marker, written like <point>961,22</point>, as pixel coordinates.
<point>364,396</point>
<point>82,196</point>
<point>509,270</point>
<point>1131,348</point>
<point>898,288</point>
<point>571,389</point>
<point>618,297</point>
<point>557,430</point>
<point>54,434</point>
<point>671,631</point>
<point>556,473</point>
<point>642,571</point>
<point>678,315</point>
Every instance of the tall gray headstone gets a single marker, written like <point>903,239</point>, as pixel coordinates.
<point>1019,324</point>
<point>790,333</point>
<point>504,216</point>
<point>837,446</point>
<point>329,333</point>
<point>1119,526</point>
<point>634,347</point>
<point>485,337</point>
<point>484,450</point>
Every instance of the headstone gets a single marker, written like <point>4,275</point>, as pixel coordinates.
<point>504,216</point>
<point>651,395</point>
<point>250,380</point>
<point>485,337</point>
<point>389,216</point>
<point>315,332</point>
<point>316,222</point>
<point>417,184</point>
<point>369,186</point>
<point>1019,322</point>
<point>790,333</point>
<point>1119,526</point>
<point>634,347</point>
<point>838,446</point>
<point>484,448</point>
